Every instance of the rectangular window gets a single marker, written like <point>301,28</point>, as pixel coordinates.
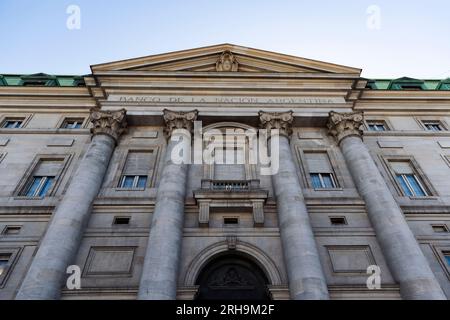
<point>447,257</point>
<point>440,228</point>
<point>4,262</point>
<point>12,230</point>
<point>322,176</point>
<point>43,178</point>
<point>376,126</point>
<point>133,182</point>
<point>12,123</point>
<point>230,221</point>
<point>39,186</point>
<point>408,180</point>
<point>121,220</point>
<point>136,171</point>
<point>338,221</point>
<point>432,126</point>
<point>72,123</point>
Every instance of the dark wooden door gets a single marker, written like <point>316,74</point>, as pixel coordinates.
<point>232,278</point>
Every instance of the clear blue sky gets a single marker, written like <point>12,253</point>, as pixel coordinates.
<point>413,39</point>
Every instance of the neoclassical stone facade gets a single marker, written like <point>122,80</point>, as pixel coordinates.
<point>103,173</point>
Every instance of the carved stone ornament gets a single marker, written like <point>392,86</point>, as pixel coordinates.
<point>112,123</point>
<point>227,62</point>
<point>341,125</point>
<point>277,120</point>
<point>229,278</point>
<point>179,120</point>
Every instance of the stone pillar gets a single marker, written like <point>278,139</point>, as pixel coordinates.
<point>58,247</point>
<point>162,259</point>
<point>305,274</point>
<point>404,256</point>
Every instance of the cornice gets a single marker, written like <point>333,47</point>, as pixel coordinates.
<point>237,74</point>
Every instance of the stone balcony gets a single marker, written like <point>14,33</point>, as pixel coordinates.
<point>233,194</point>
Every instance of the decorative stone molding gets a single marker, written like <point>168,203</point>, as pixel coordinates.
<point>111,123</point>
<point>277,120</point>
<point>231,242</point>
<point>258,213</point>
<point>179,120</point>
<point>341,125</point>
<point>227,63</point>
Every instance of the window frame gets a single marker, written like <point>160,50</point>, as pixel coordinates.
<point>418,172</point>
<point>306,174</point>
<point>2,156</point>
<point>443,225</point>
<point>230,225</point>
<point>65,119</point>
<point>438,124</point>
<point>338,217</point>
<point>383,122</point>
<point>14,254</point>
<point>40,187</point>
<point>25,118</point>
<point>446,158</point>
<point>9,227</point>
<point>135,182</point>
<point>427,119</point>
<point>322,183</point>
<point>440,253</point>
<point>26,180</point>
<point>11,120</point>
<point>121,224</point>
<point>122,153</point>
<point>410,187</point>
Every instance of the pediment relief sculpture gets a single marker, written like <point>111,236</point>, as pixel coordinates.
<point>227,63</point>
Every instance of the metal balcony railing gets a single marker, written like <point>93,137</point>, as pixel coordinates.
<point>231,185</point>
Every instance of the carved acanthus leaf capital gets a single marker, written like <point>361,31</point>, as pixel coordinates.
<point>112,123</point>
<point>277,120</point>
<point>179,120</point>
<point>227,62</point>
<point>341,125</point>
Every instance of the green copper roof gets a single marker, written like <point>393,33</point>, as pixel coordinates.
<point>41,79</point>
<point>408,84</point>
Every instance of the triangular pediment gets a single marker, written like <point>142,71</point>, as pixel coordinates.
<point>225,58</point>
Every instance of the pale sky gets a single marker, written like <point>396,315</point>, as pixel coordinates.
<point>410,38</point>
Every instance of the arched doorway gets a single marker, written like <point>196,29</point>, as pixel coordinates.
<point>232,277</point>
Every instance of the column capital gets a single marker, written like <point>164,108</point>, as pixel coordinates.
<point>111,123</point>
<point>341,125</point>
<point>179,120</point>
<point>277,120</point>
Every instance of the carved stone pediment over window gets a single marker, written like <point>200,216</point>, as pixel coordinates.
<point>112,123</point>
<point>277,120</point>
<point>341,125</point>
<point>179,120</point>
<point>227,62</point>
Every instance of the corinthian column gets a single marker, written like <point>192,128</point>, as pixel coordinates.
<point>404,256</point>
<point>162,259</point>
<point>305,274</point>
<point>60,243</point>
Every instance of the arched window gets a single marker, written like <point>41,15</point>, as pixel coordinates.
<point>229,146</point>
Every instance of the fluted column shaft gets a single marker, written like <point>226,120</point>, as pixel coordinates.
<point>162,259</point>
<point>60,243</point>
<point>403,254</point>
<point>305,274</point>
